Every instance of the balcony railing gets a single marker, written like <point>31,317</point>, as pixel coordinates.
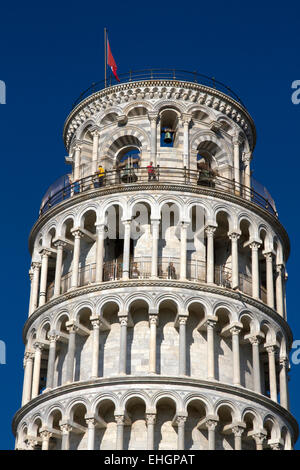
<point>162,175</point>
<point>160,74</point>
<point>168,268</point>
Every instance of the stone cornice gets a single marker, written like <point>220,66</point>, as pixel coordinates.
<point>115,94</point>
<point>138,283</point>
<point>174,381</point>
<point>215,193</point>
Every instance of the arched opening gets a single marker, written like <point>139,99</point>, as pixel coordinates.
<point>114,243</point>
<point>79,428</point>
<point>222,251</point>
<point>106,435</point>
<point>225,438</point>
<point>165,435</point>
<point>109,341</point>
<point>83,340</point>
<point>169,242</point>
<point>138,337</point>
<point>169,128</point>
<point>135,433</point>
<point>195,343</point>
<point>167,349</point>
<point>196,433</point>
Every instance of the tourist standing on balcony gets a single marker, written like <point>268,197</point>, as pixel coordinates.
<point>171,271</point>
<point>101,173</point>
<point>151,172</point>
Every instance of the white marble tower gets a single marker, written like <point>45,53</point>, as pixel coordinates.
<point>157,316</point>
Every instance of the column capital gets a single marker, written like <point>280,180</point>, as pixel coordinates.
<point>182,319</point>
<point>284,362</point>
<point>77,148</point>
<point>238,429</point>
<point>120,419</point>
<point>186,118</point>
<point>59,243</point>
<point>279,268</point>
<point>29,355</point>
<point>65,428</point>
<point>35,265</point>
<point>153,319</point>
<point>53,336</point>
<point>254,339</point>
<point>38,346</point>
<point>72,326</point>
<point>235,329</point>
<point>210,230</point>
<point>77,233</point>
<point>95,131</point>
<point>123,320</point>
<point>95,321</point>
<point>150,418</point>
<point>91,421</point>
<point>237,140</point>
<point>180,420</point>
<point>45,434</point>
<point>234,236</point>
<point>45,252</point>
<point>268,255</point>
<point>259,436</point>
<point>278,445</point>
<point>211,423</point>
<point>254,245</point>
<point>271,348</point>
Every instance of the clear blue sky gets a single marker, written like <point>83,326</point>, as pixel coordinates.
<point>50,52</point>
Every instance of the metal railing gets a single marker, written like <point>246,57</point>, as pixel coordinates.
<point>130,176</point>
<point>160,74</point>
<point>168,268</point>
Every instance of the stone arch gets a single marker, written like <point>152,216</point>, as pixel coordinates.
<point>216,147</point>
<point>134,131</point>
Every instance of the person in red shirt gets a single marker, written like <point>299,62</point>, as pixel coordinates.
<point>151,172</point>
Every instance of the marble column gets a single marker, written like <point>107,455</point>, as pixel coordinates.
<point>38,348</point>
<point>183,253</point>
<point>153,320</point>
<point>210,263</point>
<point>35,286</point>
<point>254,340</point>
<point>96,135</point>
<point>210,325</point>
<point>126,251</point>
<point>279,290</point>
<point>235,332</point>
<point>255,269</point>
<point>31,291</point>
<point>186,118</point>
<point>78,235</point>
<point>270,279</point>
<point>182,345</point>
<point>100,252</point>
<point>59,244</point>
<point>91,423</point>
<point>211,425</point>
<point>123,344</point>
<point>150,420</point>
<point>272,372</point>
<point>247,161</point>
<point>53,337</point>
<point>44,274</point>
<point>259,440</point>
<point>95,353</point>
<point>77,158</point>
<point>153,139</point>
<point>237,432</point>
<point>234,259</point>
<point>45,435</point>
<point>155,238</point>
<point>120,420</point>
<point>72,328</point>
<point>236,163</point>
<point>180,437</point>
<point>65,436</point>
<point>28,366</point>
<point>283,382</point>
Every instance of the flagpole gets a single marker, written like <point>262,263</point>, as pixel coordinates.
<point>105,59</point>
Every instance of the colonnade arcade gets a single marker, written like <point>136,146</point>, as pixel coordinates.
<point>162,422</point>
<point>118,242</point>
<point>164,339</point>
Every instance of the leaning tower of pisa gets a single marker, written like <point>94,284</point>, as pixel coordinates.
<point>157,314</point>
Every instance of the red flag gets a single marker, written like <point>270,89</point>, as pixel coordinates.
<point>111,62</point>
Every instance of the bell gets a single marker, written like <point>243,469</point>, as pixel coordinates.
<point>168,138</point>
